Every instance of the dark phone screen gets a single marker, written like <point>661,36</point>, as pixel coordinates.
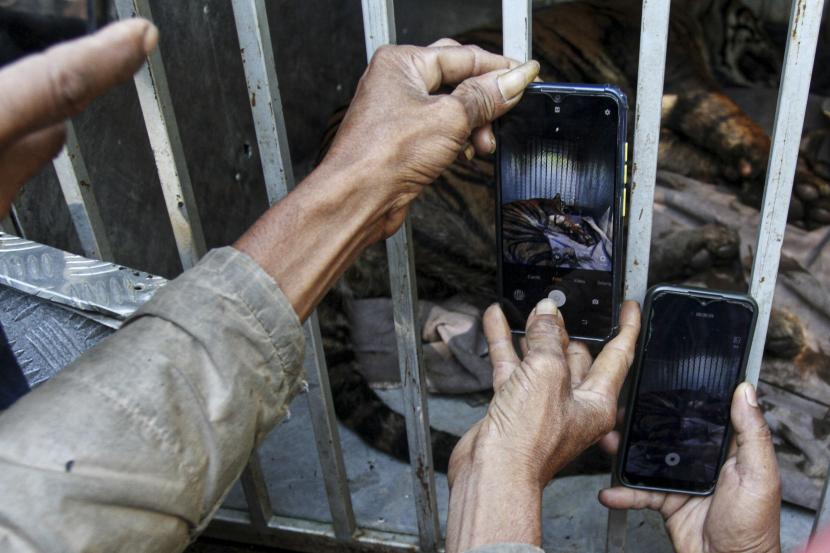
<point>557,176</point>
<point>691,364</point>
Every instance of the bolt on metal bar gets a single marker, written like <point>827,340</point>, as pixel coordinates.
<point>823,514</point>
<point>77,191</point>
<point>379,29</point>
<point>266,107</point>
<point>654,30</point>
<point>256,493</point>
<point>805,22</point>
<point>166,143</point>
<point>517,29</point>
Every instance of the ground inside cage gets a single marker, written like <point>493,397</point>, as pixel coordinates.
<point>381,487</point>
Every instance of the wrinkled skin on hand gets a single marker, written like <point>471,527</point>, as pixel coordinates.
<point>398,124</point>
<point>743,515</point>
<point>554,403</point>
<point>548,407</point>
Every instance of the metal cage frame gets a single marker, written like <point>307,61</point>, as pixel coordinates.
<point>259,523</point>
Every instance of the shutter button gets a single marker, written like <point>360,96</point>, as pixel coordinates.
<point>558,297</point>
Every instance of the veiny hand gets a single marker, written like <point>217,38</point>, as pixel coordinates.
<point>743,515</point>
<point>39,92</point>
<point>404,132</point>
<point>547,409</point>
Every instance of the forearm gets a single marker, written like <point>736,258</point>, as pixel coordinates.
<point>308,239</point>
<point>134,445</point>
<point>487,505</point>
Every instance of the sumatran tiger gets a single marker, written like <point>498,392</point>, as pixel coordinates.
<point>705,136</point>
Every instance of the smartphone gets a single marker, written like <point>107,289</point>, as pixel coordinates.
<point>560,197</point>
<point>691,356</point>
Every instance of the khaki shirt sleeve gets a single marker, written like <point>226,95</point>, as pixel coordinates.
<point>134,445</point>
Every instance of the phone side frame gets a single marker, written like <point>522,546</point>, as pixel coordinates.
<point>652,293</point>
<point>617,272</point>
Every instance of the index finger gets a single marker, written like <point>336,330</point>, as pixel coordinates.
<point>608,371</point>
<point>450,65</point>
<point>47,88</point>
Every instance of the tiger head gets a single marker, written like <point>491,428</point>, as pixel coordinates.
<point>739,47</point>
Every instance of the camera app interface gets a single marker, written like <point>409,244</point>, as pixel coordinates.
<point>558,176</point>
<point>690,369</point>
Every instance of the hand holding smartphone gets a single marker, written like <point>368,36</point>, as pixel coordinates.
<point>691,356</point>
<point>561,180</point>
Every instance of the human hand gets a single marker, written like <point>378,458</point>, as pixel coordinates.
<point>401,133</point>
<point>743,515</point>
<point>547,409</point>
<point>40,91</point>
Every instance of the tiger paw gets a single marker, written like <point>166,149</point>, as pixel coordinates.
<point>785,334</point>
<point>682,253</point>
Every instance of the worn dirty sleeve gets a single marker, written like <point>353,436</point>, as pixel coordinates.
<point>133,446</point>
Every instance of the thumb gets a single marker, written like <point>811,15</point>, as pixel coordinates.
<point>755,458</point>
<point>491,95</point>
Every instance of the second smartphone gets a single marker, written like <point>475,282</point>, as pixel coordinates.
<point>692,355</point>
<point>561,179</point>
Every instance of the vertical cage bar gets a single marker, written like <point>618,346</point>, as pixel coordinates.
<point>165,141</point>
<point>16,225</point>
<point>326,434</point>
<point>805,22</point>
<point>77,191</point>
<point>256,493</point>
<point>517,29</point>
<point>264,95</point>
<point>258,60</point>
<point>654,30</point>
<point>823,514</point>
<point>379,29</point>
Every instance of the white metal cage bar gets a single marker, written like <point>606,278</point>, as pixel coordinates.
<point>256,493</point>
<point>165,141</point>
<point>805,23</point>
<point>517,29</point>
<point>252,27</point>
<point>259,63</point>
<point>77,191</point>
<point>379,29</point>
<point>654,28</point>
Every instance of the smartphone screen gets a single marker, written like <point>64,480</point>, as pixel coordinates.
<point>558,171</point>
<point>692,359</point>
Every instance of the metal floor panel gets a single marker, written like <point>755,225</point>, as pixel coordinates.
<point>44,336</point>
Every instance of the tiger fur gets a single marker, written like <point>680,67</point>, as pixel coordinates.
<point>586,41</point>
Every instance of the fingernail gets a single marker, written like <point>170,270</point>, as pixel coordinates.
<point>546,307</point>
<point>492,144</point>
<point>513,82</point>
<point>749,393</point>
<point>151,38</point>
<point>469,152</point>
